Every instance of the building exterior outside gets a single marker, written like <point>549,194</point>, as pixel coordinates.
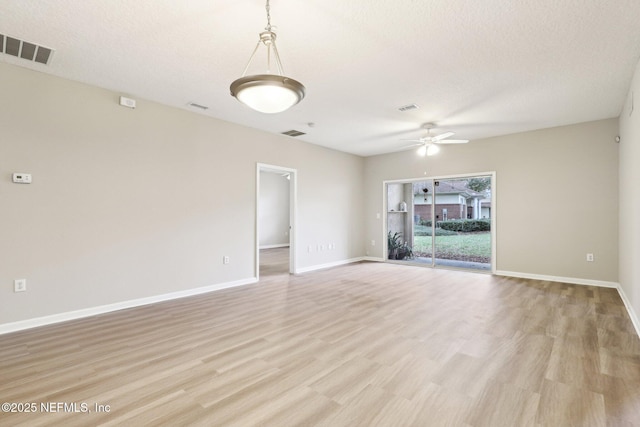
<point>453,201</point>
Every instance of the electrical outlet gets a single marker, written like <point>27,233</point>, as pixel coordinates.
<point>373,243</point>
<point>590,257</point>
<point>21,178</point>
<point>309,248</point>
<point>225,260</point>
<point>20,285</point>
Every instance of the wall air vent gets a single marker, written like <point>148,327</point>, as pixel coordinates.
<point>25,50</point>
<point>408,107</point>
<point>293,132</point>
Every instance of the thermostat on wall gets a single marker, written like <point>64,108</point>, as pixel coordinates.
<point>22,178</point>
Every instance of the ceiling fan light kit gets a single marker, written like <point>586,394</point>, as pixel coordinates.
<point>268,93</point>
<point>428,150</point>
<point>429,144</point>
<point>432,149</point>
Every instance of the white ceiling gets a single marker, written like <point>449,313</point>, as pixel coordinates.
<point>477,68</point>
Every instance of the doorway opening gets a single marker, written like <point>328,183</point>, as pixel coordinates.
<point>442,221</point>
<point>275,220</point>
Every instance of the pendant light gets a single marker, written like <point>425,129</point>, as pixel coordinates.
<point>268,93</point>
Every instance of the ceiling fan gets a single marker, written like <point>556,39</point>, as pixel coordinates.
<point>429,144</point>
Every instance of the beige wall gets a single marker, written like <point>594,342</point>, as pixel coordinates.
<point>557,196</point>
<point>128,204</point>
<point>630,198</point>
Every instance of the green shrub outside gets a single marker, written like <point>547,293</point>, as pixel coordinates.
<point>456,225</point>
<point>466,225</point>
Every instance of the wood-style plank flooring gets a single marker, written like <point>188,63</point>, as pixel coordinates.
<point>368,344</point>
<point>274,262</point>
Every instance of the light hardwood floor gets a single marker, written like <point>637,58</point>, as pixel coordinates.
<point>274,261</point>
<point>368,344</point>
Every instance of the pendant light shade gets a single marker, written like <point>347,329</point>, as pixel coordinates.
<point>268,93</point>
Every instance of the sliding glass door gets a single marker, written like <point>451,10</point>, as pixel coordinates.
<point>441,222</point>
<point>463,229</point>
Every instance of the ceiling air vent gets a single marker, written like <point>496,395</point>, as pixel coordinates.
<point>200,106</point>
<point>25,50</point>
<point>408,107</point>
<point>293,132</point>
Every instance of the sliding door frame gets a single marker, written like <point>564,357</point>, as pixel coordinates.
<point>494,198</point>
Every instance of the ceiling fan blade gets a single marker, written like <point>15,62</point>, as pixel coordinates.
<point>453,141</point>
<point>442,136</point>
<point>412,145</point>
<point>421,140</point>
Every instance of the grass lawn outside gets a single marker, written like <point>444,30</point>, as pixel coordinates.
<point>460,246</point>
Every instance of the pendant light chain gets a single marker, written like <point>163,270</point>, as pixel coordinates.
<point>271,41</point>
<point>268,7</point>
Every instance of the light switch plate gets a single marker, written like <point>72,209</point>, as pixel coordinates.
<point>20,285</point>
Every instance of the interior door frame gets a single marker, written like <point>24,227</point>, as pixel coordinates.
<point>494,198</point>
<point>293,209</point>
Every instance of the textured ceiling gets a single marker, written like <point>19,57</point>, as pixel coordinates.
<point>477,68</point>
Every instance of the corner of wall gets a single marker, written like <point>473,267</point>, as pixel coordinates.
<point>629,200</point>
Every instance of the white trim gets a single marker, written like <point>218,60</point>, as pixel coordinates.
<point>282,245</point>
<point>293,217</point>
<point>385,219</point>
<point>459,175</point>
<point>494,221</point>
<point>373,259</point>
<point>632,314</point>
<point>92,311</point>
<point>331,264</point>
<point>571,280</point>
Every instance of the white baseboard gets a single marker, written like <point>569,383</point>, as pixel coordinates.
<point>329,265</point>
<point>373,259</point>
<point>630,310</point>
<point>572,280</point>
<point>282,245</point>
<point>92,311</point>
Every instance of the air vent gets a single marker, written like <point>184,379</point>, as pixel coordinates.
<point>200,106</point>
<point>25,50</point>
<point>408,107</point>
<point>293,132</point>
